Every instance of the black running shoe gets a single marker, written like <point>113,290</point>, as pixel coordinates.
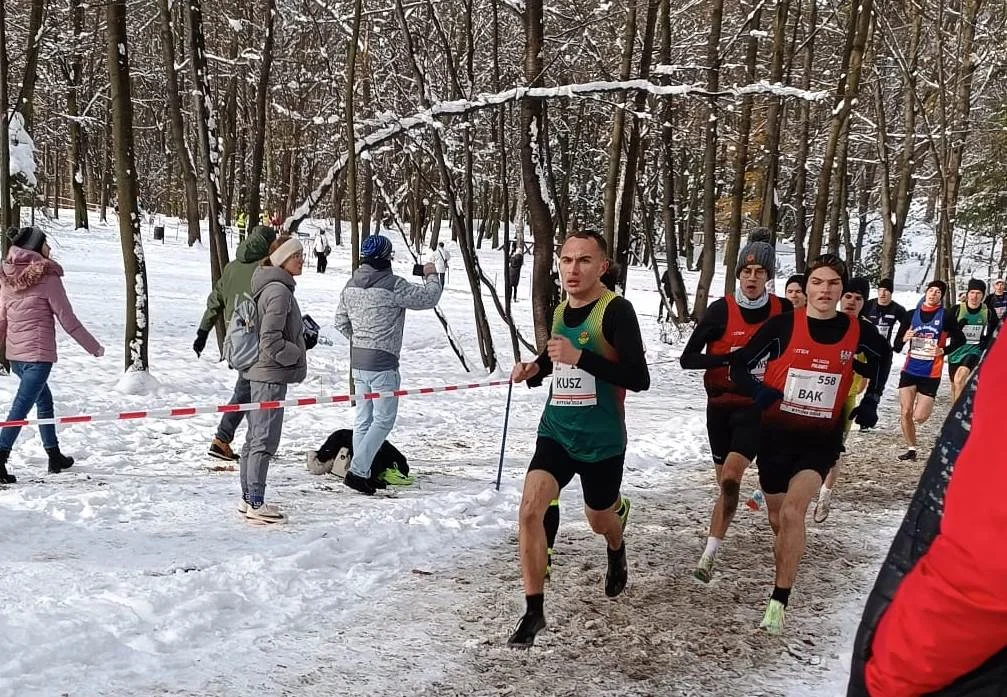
<point>618,572</point>
<point>524,636</point>
<point>360,484</point>
<point>908,456</point>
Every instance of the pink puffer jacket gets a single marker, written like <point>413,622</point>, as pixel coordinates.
<point>32,296</point>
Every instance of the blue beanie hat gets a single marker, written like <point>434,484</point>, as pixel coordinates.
<point>376,247</point>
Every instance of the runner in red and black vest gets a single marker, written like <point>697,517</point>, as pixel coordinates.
<point>810,355</point>
<point>931,332</point>
<point>732,422</point>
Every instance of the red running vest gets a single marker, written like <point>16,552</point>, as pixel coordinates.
<point>814,378</point>
<point>719,388</point>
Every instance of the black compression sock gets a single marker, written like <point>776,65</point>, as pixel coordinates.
<point>534,604</point>
<point>781,594</point>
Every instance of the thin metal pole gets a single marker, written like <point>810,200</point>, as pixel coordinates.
<point>503,441</point>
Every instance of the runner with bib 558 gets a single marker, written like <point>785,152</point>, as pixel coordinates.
<point>811,363</point>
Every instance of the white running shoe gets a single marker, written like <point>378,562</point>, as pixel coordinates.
<point>242,506</point>
<point>265,514</point>
<point>822,507</point>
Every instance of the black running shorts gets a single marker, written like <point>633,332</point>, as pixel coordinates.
<point>600,481</point>
<point>969,362</point>
<point>783,454</point>
<point>733,430</point>
<point>925,386</point>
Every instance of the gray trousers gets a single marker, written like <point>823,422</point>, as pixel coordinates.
<point>261,439</point>
<point>231,420</point>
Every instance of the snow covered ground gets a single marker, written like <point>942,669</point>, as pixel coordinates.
<point>132,574</point>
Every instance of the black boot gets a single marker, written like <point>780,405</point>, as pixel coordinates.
<point>360,484</point>
<point>58,461</point>
<point>4,477</point>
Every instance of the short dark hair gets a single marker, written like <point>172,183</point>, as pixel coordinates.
<point>589,234</point>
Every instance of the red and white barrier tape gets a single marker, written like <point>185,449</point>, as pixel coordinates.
<point>186,412</point>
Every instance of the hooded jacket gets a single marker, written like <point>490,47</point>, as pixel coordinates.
<point>372,313</point>
<point>236,277</point>
<point>282,357</point>
<point>32,298</point>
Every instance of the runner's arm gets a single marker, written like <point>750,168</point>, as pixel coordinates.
<point>768,341</point>
<point>622,331</point>
<point>878,355</point>
<point>900,333</point>
<point>710,328</point>
<point>544,370</point>
<point>991,326</point>
<point>956,338</point>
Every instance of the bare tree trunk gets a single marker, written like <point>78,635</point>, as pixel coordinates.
<point>254,206</point>
<point>629,182</point>
<point>137,305</point>
<point>773,119</point>
<point>76,157</point>
<point>669,208</point>
<point>710,163</point>
<point>351,137</point>
<point>618,127</point>
<point>229,167</point>
<point>801,164</point>
<point>209,147</point>
<point>894,213</point>
<point>5,188</point>
<point>25,104</point>
<point>182,153</point>
<point>859,26</point>
<point>532,137</point>
<point>733,245</point>
<point>863,208</point>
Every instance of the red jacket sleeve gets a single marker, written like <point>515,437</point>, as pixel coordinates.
<point>949,615</point>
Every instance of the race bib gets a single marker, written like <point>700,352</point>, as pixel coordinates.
<point>923,348</point>
<point>810,393</point>
<point>1000,311</point>
<point>573,387</point>
<point>973,333</point>
<point>759,370</point>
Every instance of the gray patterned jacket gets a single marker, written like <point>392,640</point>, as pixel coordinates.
<point>372,314</point>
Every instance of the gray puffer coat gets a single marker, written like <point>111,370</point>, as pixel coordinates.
<point>282,356</point>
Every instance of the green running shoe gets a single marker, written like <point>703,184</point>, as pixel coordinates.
<point>393,477</point>
<point>772,621</point>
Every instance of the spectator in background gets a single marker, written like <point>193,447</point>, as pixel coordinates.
<point>514,269</point>
<point>282,361</point>
<point>32,297</point>
<point>322,250</point>
<point>884,313</point>
<point>234,282</point>
<point>441,259</point>
<point>372,315</point>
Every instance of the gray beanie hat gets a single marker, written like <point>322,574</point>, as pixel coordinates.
<point>758,251</point>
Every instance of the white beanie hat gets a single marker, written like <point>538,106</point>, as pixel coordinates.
<point>286,250</point>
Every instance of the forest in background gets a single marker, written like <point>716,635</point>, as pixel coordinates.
<point>672,128</point>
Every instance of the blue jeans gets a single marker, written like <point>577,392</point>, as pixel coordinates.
<point>375,417</point>
<point>32,392</point>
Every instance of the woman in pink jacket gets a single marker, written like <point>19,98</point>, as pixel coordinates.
<point>32,297</point>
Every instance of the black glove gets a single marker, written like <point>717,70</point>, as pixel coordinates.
<point>865,414</point>
<point>310,341</point>
<point>766,396</point>
<point>200,343</point>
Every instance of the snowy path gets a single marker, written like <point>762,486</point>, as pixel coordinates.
<point>133,575</point>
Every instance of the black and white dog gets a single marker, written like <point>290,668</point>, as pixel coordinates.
<point>335,454</point>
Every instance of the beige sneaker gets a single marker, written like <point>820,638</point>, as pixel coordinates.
<point>242,506</point>
<point>265,514</point>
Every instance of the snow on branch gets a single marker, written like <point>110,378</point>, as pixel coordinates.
<point>396,126</point>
